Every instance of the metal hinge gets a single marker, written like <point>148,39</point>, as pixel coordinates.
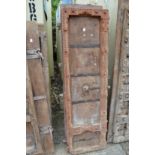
<point>46,129</point>
<point>34,54</point>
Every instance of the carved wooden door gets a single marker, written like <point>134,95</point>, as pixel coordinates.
<point>85,48</point>
<point>119,111</point>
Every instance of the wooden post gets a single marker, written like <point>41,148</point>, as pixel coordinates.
<point>48,26</point>
<point>34,59</point>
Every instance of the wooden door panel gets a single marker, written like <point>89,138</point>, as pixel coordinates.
<point>86,113</point>
<point>85,88</point>
<point>90,139</point>
<point>119,110</point>
<point>84,61</point>
<point>83,31</point>
<point>85,47</point>
<point>33,139</point>
<point>36,73</point>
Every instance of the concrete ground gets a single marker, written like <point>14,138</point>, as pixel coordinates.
<point>111,149</point>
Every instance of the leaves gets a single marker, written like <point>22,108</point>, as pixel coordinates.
<point>55,4</point>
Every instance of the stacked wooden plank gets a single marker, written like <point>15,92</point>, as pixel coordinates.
<point>119,111</point>
<point>85,62</point>
<point>37,68</point>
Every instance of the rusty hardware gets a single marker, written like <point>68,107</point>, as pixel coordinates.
<point>85,52</point>
<point>34,54</point>
<point>118,130</point>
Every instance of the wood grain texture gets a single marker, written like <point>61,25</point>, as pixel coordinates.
<point>84,61</point>
<point>39,89</point>
<point>44,51</point>
<point>32,130</point>
<point>118,130</point>
<point>85,50</point>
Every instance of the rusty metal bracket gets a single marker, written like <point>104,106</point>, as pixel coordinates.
<point>46,129</point>
<point>34,54</point>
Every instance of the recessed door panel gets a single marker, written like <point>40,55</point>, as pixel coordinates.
<point>84,61</point>
<point>85,88</point>
<point>84,31</point>
<point>86,113</point>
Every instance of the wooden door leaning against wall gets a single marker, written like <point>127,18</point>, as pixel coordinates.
<point>85,51</point>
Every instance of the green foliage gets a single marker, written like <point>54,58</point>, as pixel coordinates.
<point>54,8</point>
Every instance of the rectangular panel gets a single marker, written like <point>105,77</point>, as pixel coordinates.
<point>119,110</point>
<point>86,139</point>
<point>30,139</point>
<point>85,88</point>
<point>86,113</point>
<point>84,61</point>
<point>83,31</point>
<point>85,46</point>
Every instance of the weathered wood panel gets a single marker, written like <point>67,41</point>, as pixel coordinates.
<point>119,111</point>
<point>86,113</point>
<point>44,51</point>
<point>90,88</point>
<point>33,141</point>
<point>84,61</point>
<point>85,47</point>
<point>35,67</point>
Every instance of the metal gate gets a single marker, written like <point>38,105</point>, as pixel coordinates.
<point>85,48</point>
<point>119,111</point>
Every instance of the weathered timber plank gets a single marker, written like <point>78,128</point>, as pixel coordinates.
<point>44,51</point>
<point>39,88</point>
<point>119,109</point>
<point>31,119</point>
